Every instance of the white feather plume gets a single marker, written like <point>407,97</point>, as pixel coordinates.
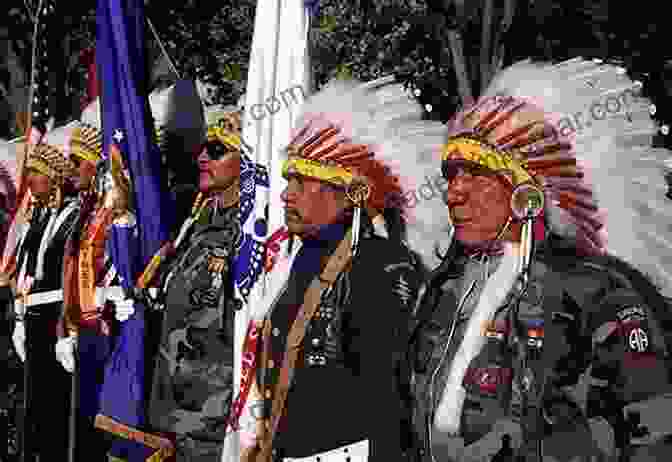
<point>497,288</point>
<point>343,103</point>
<point>612,130</point>
<point>411,146</point>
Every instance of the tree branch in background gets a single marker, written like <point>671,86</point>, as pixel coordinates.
<point>500,37</point>
<point>487,22</point>
<point>463,82</point>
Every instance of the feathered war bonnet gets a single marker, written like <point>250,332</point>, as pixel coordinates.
<point>51,157</point>
<point>360,137</point>
<point>86,143</point>
<point>580,133</point>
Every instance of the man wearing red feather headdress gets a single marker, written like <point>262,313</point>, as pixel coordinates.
<point>542,332</point>
<point>329,382</point>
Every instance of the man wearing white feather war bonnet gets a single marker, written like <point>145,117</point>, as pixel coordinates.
<point>37,294</point>
<point>329,383</point>
<point>552,188</point>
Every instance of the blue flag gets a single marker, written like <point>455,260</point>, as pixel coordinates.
<point>126,116</point>
<point>313,7</point>
<point>128,127</point>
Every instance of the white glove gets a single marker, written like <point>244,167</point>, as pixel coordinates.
<point>124,309</point>
<point>19,340</point>
<point>65,353</point>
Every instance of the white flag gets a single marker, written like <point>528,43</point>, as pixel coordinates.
<point>278,82</point>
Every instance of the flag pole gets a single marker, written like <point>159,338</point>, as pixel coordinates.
<point>26,448</point>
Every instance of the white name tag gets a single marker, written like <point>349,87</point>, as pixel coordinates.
<point>356,452</point>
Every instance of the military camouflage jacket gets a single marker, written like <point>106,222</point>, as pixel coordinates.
<point>546,373</point>
<point>193,376</point>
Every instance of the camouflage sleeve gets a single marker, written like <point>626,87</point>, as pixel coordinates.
<point>629,363</point>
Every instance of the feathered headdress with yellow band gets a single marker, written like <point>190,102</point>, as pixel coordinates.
<point>574,141</point>
<point>87,143</point>
<point>336,143</point>
<point>50,157</point>
<point>370,139</point>
<point>580,132</point>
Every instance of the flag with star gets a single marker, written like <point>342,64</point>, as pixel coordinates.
<point>126,115</point>
<point>128,127</point>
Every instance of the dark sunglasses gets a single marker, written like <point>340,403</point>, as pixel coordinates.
<point>216,150</point>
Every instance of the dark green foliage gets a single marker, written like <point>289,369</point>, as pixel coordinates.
<point>207,40</point>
